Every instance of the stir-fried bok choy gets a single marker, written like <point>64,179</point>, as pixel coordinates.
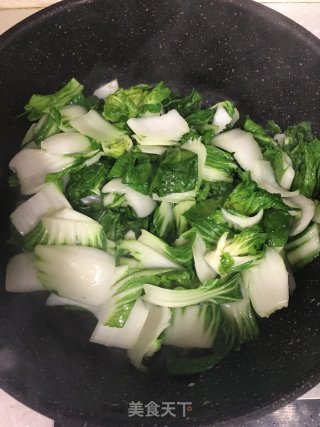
<point>176,226</point>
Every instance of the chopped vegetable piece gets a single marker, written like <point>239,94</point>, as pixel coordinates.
<point>267,283</point>
<point>80,273</point>
<point>22,275</point>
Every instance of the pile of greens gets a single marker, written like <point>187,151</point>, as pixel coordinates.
<point>174,224</point>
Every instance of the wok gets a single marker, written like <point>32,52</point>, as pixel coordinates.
<point>230,49</point>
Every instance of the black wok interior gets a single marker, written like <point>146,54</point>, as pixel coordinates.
<point>238,50</point>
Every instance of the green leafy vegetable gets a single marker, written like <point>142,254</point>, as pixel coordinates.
<point>272,128</point>
<point>163,221</point>
<point>66,227</point>
<point>185,105</point>
<point>180,255</point>
<point>208,221</point>
<point>179,217</point>
<point>47,126</point>
<point>118,147</point>
<point>124,293</point>
<point>304,248</point>
<point>202,122</point>
<point>177,172</point>
<point>241,318</point>
<point>297,135</point>
<point>87,181</point>
<point>120,106</point>
<point>118,221</point>
<point>247,199</point>
<point>240,252</point>
<point>186,362</point>
<point>306,163</point>
<point>39,105</point>
<point>91,102</point>
<point>80,273</point>
<point>263,138</point>
<point>214,190</point>
<point>136,170</point>
<point>221,160</point>
<point>126,336</point>
<point>280,162</point>
<point>136,101</point>
<point>215,290</point>
<point>201,319</point>
<point>276,225</point>
<point>267,283</point>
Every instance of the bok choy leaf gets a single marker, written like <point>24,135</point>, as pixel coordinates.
<point>77,272</point>
<point>214,290</point>
<point>38,105</point>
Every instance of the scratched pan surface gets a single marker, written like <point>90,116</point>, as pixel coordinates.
<point>236,49</point>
